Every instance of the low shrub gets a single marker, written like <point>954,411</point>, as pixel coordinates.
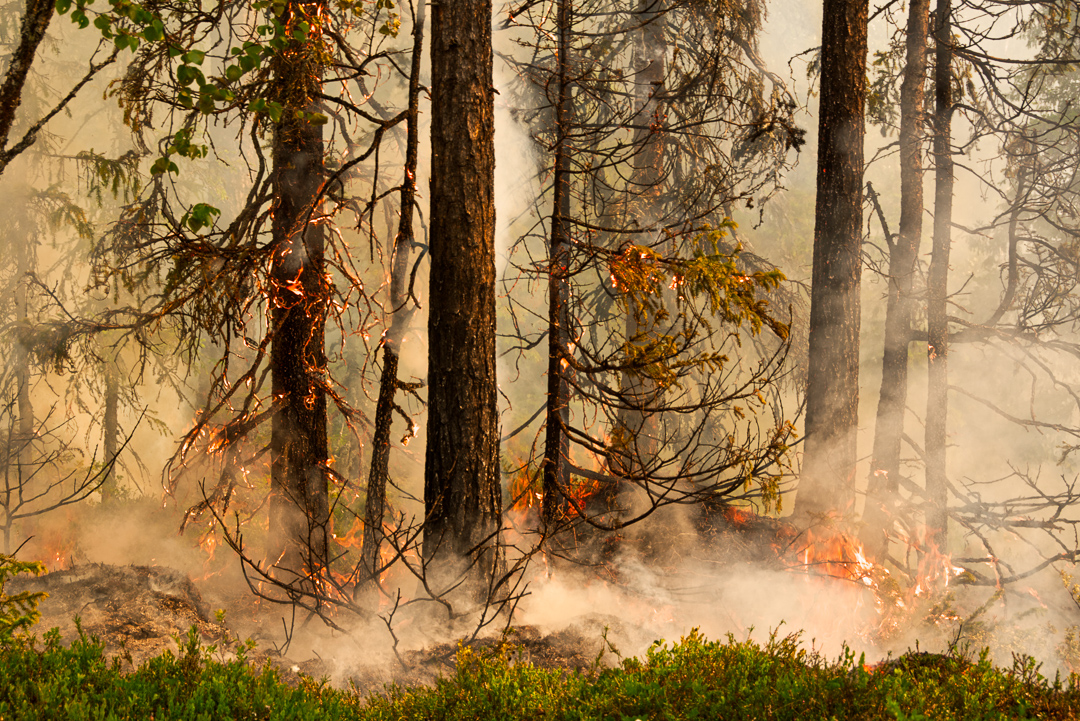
<point>693,679</point>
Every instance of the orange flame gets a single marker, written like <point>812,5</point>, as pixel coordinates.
<point>839,555</point>
<point>354,537</point>
<point>527,492</point>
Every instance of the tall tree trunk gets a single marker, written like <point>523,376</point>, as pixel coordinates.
<point>462,491</point>
<point>937,324</point>
<point>299,298</point>
<point>883,487</point>
<point>832,396</point>
<point>34,23</point>
<point>636,433</point>
<point>22,354</point>
<point>110,426</point>
<point>557,443</point>
<point>402,310</point>
<point>25,262</point>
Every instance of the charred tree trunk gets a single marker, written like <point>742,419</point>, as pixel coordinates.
<point>937,293</point>
<point>832,396</point>
<point>883,486</point>
<point>402,309</point>
<point>462,491</point>
<point>299,503</point>
<point>34,23</point>
<point>557,443</point>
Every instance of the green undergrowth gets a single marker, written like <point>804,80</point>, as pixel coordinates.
<point>692,679</point>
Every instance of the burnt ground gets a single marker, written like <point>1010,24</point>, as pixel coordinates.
<point>139,612</point>
<point>136,611</point>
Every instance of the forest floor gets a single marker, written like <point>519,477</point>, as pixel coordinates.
<point>151,643</point>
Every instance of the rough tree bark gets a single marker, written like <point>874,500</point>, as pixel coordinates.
<point>299,503</point>
<point>883,486</point>
<point>35,21</point>
<point>937,323</point>
<point>557,442</point>
<point>832,395</point>
<point>402,309</point>
<point>462,492</point>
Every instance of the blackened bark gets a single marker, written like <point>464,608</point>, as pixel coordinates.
<point>402,311</point>
<point>937,324</point>
<point>832,396</point>
<point>462,492</point>
<point>883,486</point>
<point>557,443</point>
<point>299,503</point>
<point>35,22</point>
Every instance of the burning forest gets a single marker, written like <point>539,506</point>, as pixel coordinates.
<point>359,329</point>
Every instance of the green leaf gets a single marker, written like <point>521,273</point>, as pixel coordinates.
<point>233,73</point>
<point>200,216</point>
<point>163,165</point>
<point>391,27</point>
<point>317,119</point>
<point>62,6</point>
<point>181,141</point>
<point>185,74</point>
<point>194,56</point>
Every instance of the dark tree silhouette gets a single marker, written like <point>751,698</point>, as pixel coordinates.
<point>827,483</point>
<point>299,298</point>
<point>462,491</point>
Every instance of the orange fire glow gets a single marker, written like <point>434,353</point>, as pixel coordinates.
<point>839,555</point>
<point>527,494</point>
<point>354,537</point>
